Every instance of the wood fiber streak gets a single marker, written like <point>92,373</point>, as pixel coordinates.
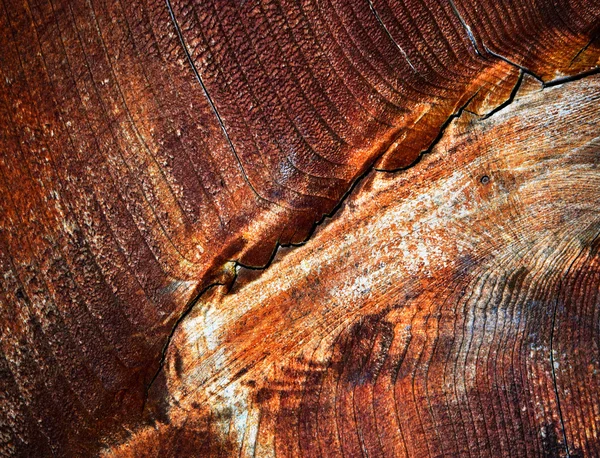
<point>147,147</point>
<point>449,310</point>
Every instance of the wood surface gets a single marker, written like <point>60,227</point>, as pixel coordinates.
<point>448,310</point>
<point>149,149</point>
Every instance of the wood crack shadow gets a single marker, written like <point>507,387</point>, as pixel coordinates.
<point>368,170</point>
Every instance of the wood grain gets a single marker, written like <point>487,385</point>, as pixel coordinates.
<point>148,146</point>
<point>448,310</point>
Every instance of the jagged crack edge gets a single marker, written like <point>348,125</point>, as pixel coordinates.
<point>186,311</point>
<point>367,171</point>
<point>385,29</point>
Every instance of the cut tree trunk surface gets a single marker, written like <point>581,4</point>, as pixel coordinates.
<point>150,148</point>
<point>451,309</point>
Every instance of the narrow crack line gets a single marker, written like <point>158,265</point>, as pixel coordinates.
<point>487,50</point>
<point>546,84</point>
<point>436,140</point>
<point>367,171</point>
<point>582,50</point>
<point>369,167</point>
<point>514,64</point>
<point>188,308</point>
<point>523,69</point>
<point>192,303</point>
<point>570,79</point>
<point>208,97</point>
<point>376,14</point>
<point>552,331</point>
<point>466,27</point>
<point>510,99</point>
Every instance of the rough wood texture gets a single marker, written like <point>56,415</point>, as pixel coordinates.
<point>452,309</point>
<point>147,145</point>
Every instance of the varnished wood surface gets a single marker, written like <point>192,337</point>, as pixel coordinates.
<point>145,146</point>
<point>448,310</point>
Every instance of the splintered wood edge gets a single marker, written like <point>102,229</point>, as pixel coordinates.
<point>504,211</point>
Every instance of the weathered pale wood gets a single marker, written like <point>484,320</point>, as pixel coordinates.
<point>444,310</point>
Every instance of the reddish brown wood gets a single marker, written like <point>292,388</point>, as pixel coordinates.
<point>147,145</point>
<point>445,310</point>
